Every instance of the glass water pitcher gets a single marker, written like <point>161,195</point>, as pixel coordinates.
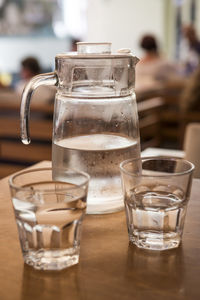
<point>95,122</point>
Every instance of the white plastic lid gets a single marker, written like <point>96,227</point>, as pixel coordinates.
<point>93,48</point>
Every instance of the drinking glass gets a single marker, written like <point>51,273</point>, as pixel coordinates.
<point>156,194</point>
<point>49,214</point>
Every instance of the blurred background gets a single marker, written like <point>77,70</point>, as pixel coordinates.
<point>43,28</point>
<point>163,34</point>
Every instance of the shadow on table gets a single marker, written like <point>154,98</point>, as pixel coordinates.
<point>50,284</point>
<point>161,271</point>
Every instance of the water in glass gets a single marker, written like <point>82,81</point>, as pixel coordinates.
<point>49,225</point>
<point>155,216</point>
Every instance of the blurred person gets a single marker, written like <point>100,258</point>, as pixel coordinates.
<point>73,46</point>
<point>190,50</point>
<point>30,67</point>
<point>190,100</point>
<point>153,68</point>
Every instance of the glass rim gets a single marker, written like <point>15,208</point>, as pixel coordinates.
<point>17,187</point>
<point>169,158</point>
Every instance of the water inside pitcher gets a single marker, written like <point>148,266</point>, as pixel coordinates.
<point>95,119</point>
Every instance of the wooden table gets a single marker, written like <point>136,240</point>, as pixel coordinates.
<point>109,267</point>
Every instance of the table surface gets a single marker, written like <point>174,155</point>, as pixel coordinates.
<point>151,151</point>
<point>109,268</point>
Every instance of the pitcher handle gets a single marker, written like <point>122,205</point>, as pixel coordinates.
<point>42,79</point>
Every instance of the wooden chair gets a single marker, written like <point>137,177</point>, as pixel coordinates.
<point>192,146</point>
<point>13,154</point>
<point>149,122</point>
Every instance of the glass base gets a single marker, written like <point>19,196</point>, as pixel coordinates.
<point>52,259</point>
<point>156,241</point>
